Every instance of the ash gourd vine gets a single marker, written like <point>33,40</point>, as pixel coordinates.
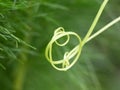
<point>70,58</point>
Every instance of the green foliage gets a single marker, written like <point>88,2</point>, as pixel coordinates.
<point>32,22</point>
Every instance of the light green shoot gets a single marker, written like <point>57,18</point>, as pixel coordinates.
<point>70,58</point>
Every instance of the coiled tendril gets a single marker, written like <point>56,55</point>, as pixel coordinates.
<point>64,63</point>
<point>72,56</point>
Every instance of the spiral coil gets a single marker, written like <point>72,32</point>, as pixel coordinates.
<point>66,62</point>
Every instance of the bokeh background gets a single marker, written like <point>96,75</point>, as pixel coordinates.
<point>34,21</point>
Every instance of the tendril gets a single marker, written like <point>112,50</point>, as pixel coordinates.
<point>66,62</point>
<point>70,58</point>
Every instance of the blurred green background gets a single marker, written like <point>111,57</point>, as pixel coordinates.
<point>34,21</point>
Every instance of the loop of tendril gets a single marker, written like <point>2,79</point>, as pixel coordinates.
<point>65,63</point>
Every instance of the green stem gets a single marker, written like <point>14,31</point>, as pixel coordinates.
<point>95,21</point>
<point>20,72</point>
<point>103,29</point>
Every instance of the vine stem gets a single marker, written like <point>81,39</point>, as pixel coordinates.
<point>103,29</point>
<point>95,21</point>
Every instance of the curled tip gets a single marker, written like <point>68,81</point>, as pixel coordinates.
<point>59,30</point>
<point>70,57</point>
